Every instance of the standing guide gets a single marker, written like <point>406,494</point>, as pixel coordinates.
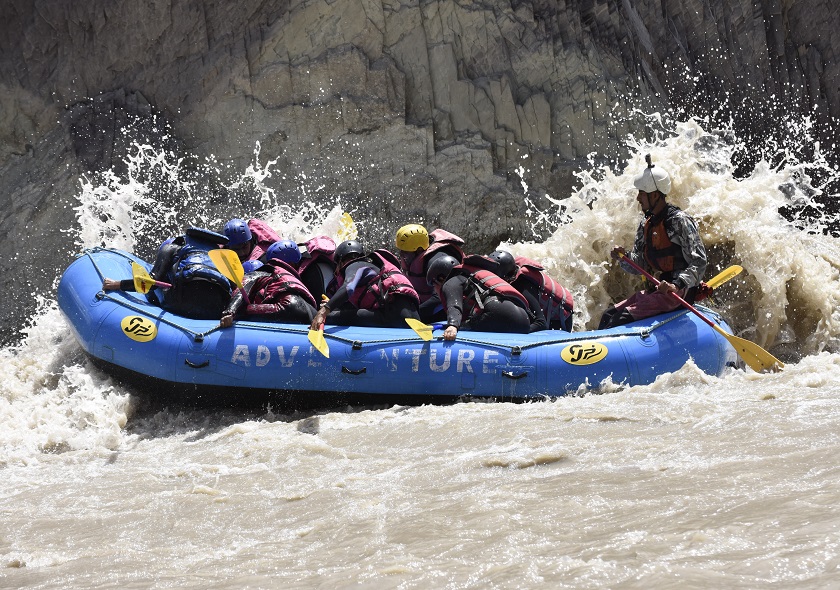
<point>668,242</point>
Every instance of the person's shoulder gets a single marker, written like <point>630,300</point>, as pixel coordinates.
<point>358,264</point>
<point>675,212</point>
<point>456,279</point>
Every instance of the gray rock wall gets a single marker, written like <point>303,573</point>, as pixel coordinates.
<point>411,111</point>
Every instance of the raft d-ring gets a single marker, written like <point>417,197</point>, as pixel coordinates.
<point>189,363</point>
<point>511,375</point>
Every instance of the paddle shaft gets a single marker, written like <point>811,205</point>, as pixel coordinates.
<point>656,282</point>
<point>757,358</point>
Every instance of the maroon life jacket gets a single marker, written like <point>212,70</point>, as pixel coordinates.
<point>416,271</point>
<point>381,289</point>
<point>283,279</point>
<point>556,301</point>
<point>319,249</point>
<point>482,284</point>
<point>265,237</point>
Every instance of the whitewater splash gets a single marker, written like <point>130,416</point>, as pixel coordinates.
<point>159,195</point>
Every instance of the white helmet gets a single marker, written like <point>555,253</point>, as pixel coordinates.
<point>653,178</point>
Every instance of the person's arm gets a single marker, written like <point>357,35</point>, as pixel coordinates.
<point>115,285</point>
<point>538,320</point>
<point>360,274</point>
<point>453,294</point>
<point>338,299</point>
<point>164,260</point>
<point>687,235</point>
<point>237,298</point>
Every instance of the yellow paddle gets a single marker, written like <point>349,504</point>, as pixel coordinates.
<point>316,337</point>
<point>422,330</point>
<point>348,230</point>
<point>143,281</point>
<point>758,359</point>
<point>228,264</point>
<point>724,275</point>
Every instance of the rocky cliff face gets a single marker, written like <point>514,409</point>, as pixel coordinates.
<point>431,111</point>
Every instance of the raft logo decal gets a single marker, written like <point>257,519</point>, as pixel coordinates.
<point>584,353</point>
<point>138,328</point>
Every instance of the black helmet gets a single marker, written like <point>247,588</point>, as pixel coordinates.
<point>348,248</point>
<point>440,267</point>
<point>507,265</point>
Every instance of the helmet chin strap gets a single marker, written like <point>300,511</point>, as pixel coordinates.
<point>649,212</point>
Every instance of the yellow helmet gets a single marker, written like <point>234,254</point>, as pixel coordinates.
<point>412,236</point>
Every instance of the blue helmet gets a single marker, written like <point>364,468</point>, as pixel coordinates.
<point>285,250</point>
<point>237,231</point>
<point>251,265</point>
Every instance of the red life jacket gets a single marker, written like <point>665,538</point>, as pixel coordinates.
<point>556,301</point>
<point>482,284</point>
<point>416,271</point>
<point>265,237</point>
<point>381,289</point>
<point>660,252</point>
<point>283,279</point>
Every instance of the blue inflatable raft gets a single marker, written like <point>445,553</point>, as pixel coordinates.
<point>132,338</point>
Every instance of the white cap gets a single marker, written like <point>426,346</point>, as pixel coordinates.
<point>653,179</point>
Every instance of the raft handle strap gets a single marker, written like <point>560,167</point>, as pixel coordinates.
<point>189,363</point>
<point>353,372</point>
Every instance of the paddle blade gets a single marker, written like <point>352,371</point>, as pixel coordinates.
<point>143,282</point>
<point>756,358</point>
<point>228,264</point>
<point>424,331</point>
<point>316,338</point>
<point>723,276</point>
<point>348,230</point>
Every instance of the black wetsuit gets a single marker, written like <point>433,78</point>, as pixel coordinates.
<point>391,314</point>
<point>498,315</point>
<point>289,307</point>
<point>532,293</point>
<point>432,310</point>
